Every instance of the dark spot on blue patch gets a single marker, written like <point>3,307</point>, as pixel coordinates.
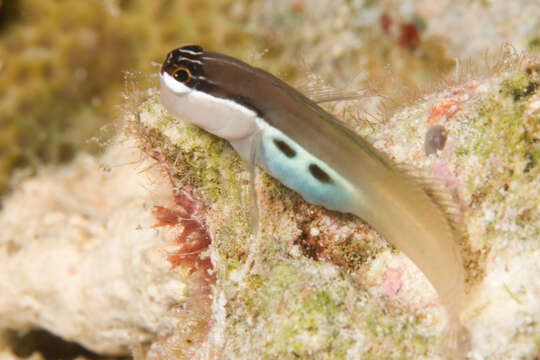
<point>285,148</point>
<point>320,174</point>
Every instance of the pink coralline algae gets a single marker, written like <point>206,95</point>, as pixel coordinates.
<point>392,281</point>
<point>444,110</point>
<point>191,237</point>
<point>190,232</point>
<point>445,175</point>
<point>447,108</point>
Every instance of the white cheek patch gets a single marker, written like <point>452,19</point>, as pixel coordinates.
<point>221,117</point>
<point>173,85</point>
<point>224,118</point>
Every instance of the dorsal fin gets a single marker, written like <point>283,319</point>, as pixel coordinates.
<point>328,95</point>
<point>317,90</point>
<point>441,196</point>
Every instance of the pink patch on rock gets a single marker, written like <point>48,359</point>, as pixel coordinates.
<point>445,175</point>
<point>192,237</point>
<point>185,222</point>
<point>392,281</point>
<point>446,109</point>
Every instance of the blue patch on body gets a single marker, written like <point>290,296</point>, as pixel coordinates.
<point>316,181</point>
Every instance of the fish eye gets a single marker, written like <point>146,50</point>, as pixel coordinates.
<point>182,74</point>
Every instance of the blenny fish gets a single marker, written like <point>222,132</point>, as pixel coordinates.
<point>310,151</point>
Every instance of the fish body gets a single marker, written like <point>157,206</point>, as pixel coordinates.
<point>311,152</point>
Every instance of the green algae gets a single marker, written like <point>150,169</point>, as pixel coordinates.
<point>508,138</point>
<point>308,309</point>
<point>534,43</point>
<point>208,176</point>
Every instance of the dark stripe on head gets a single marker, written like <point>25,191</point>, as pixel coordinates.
<point>219,82</point>
<point>285,148</point>
<point>188,56</point>
<point>320,174</point>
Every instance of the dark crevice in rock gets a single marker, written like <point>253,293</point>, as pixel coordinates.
<point>50,346</point>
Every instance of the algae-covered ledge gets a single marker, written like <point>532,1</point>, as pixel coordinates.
<point>313,283</point>
<point>296,288</point>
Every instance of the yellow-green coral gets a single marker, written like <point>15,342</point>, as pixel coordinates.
<point>63,62</point>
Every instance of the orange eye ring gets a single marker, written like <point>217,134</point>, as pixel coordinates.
<point>182,74</point>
